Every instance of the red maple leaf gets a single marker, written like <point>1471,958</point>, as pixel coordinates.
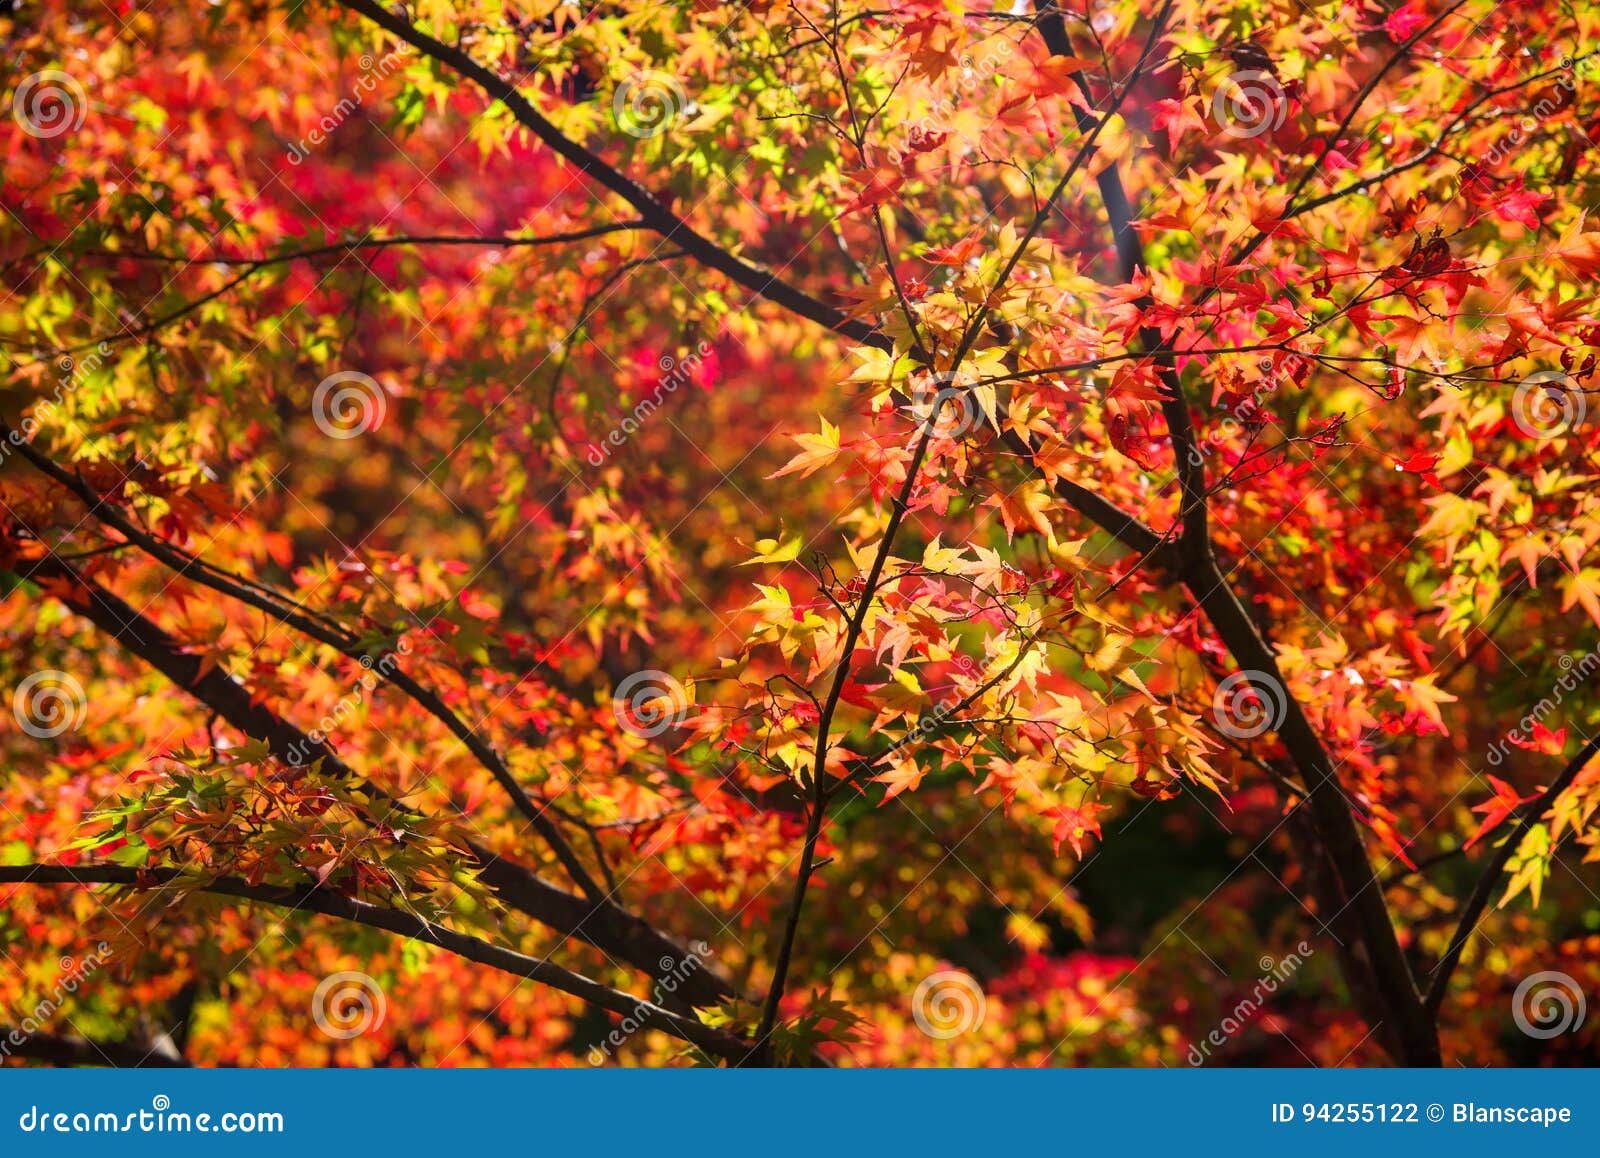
<point>1502,804</point>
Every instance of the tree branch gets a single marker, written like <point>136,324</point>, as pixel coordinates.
<point>318,900</point>
<point>1414,1026</point>
<point>83,1051</point>
<point>1494,867</point>
<point>494,241</point>
<point>346,644</point>
<point>652,211</point>
<point>1091,127</point>
<point>603,925</point>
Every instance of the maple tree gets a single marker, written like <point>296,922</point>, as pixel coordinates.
<point>793,533</point>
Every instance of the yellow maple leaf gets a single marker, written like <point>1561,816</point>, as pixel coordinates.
<point>818,451</point>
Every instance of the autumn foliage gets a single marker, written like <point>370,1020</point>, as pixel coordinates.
<point>544,533</point>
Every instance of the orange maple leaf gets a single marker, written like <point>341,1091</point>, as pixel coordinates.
<point>1074,824</point>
